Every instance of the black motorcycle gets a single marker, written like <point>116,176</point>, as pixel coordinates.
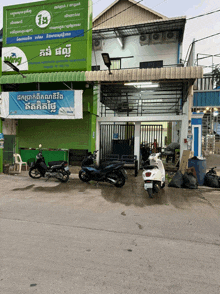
<point>111,172</point>
<point>56,169</point>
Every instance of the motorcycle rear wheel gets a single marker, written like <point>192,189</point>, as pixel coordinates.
<point>84,177</point>
<point>34,173</point>
<point>119,178</point>
<point>65,177</point>
<point>150,192</point>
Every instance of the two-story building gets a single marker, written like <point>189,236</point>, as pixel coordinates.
<point>149,85</point>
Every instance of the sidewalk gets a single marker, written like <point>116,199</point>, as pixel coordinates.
<point>211,161</point>
<point>25,173</point>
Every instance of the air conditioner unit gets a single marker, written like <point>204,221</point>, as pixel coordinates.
<point>97,45</point>
<point>144,39</point>
<point>171,36</point>
<point>156,38</point>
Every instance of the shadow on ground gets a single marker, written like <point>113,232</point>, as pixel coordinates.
<point>132,193</point>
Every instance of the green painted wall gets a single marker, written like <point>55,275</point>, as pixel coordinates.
<point>61,134</point>
<point>67,134</point>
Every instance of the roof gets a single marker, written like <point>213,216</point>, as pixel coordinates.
<point>128,75</point>
<point>125,12</point>
<point>147,27</point>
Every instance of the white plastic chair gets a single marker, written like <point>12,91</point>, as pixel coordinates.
<point>19,162</point>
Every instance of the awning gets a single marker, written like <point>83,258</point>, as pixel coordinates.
<point>122,75</point>
<point>43,78</point>
<point>146,74</point>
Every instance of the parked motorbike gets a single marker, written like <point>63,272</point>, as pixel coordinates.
<point>56,169</point>
<point>153,174</point>
<point>111,172</point>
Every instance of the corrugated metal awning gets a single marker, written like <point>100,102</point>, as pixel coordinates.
<point>122,75</point>
<point>43,78</point>
<point>146,74</point>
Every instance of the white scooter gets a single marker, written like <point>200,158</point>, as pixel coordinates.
<point>153,174</point>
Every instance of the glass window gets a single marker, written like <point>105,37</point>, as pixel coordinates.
<point>151,64</point>
<point>116,63</point>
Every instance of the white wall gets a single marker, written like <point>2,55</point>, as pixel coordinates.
<point>166,52</point>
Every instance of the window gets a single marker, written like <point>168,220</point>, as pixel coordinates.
<point>151,64</point>
<point>95,67</point>
<point>115,63</point>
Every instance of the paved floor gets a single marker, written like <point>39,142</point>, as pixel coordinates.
<point>81,238</point>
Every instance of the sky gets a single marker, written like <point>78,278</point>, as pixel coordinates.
<point>195,29</point>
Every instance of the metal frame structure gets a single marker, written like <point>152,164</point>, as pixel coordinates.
<point>120,100</point>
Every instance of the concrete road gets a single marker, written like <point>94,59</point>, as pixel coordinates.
<point>82,238</point>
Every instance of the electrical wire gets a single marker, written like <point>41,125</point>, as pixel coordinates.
<point>203,14</point>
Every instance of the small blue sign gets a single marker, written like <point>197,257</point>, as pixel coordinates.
<point>44,37</point>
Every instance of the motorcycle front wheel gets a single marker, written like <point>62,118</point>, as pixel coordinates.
<point>65,177</point>
<point>84,176</point>
<point>34,173</point>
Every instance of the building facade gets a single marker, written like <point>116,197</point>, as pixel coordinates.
<point>148,85</point>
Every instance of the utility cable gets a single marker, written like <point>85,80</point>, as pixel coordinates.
<point>203,14</point>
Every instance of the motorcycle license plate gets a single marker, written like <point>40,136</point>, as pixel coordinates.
<point>148,185</point>
<point>66,168</point>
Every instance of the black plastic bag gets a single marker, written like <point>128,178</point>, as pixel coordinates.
<point>177,180</point>
<point>189,181</point>
<point>212,180</point>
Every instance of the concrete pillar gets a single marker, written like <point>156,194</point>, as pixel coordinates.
<point>98,141</point>
<point>137,141</point>
<point>184,129</point>
<point>190,103</point>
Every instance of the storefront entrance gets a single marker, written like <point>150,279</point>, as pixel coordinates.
<point>116,139</point>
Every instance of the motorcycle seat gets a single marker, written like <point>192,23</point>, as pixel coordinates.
<point>107,163</point>
<point>150,166</point>
<point>51,163</point>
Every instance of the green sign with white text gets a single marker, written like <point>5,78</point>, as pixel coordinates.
<point>48,36</point>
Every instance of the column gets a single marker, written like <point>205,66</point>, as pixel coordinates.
<point>184,129</point>
<point>137,135</point>
<point>98,140</point>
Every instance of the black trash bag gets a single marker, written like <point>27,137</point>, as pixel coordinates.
<point>212,180</point>
<point>189,181</point>
<point>177,180</point>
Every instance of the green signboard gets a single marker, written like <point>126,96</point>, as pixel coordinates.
<point>48,36</point>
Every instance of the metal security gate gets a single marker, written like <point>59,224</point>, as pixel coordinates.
<point>116,139</point>
<point>150,133</point>
<point>9,149</point>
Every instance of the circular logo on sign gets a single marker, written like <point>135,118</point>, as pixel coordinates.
<point>43,19</point>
